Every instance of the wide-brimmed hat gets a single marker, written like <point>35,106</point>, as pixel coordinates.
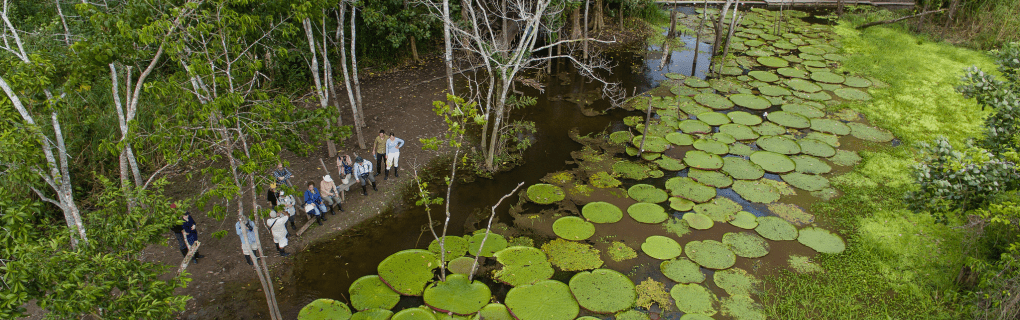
<point>272,213</point>
<point>327,178</point>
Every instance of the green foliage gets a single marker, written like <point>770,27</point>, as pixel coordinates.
<point>950,180</point>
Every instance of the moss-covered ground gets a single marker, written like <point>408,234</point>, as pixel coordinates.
<point>900,264</point>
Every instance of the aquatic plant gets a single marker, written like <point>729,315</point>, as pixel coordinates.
<point>845,158</point>
<point>522,265</point>
<point>650,291</point>
<point>493,311</point>
<point>647,193</point>
<point>667,163</point>
<point>679,227</point>
<point>698,221</point>
<point>807,182</point>
<point>682,270</point>
<point>792,213</point>
<point>573,228</point>
<point>758,191</point>
<point>647,212</point>
<point>744,220</point>
<point>325,309</point>
<point>544,300</point>
<point>461,265</point>
<point>631,170</point>
<point>773,162</point>
<point>719,209</point>
<point>742,307</point>
<point>689,189</point>
<point>751,101</point>
<point>778,144</point>
<point>804,110</point>
<point>821,240</point>
<point>662,248</point>
<point>619,251</point>
<point>710,178</point>
<point>789,119</point>
<point>746,244</point>
<point>603,180</point>
<point>736,281</point>
<point>869,133</point>
<point>370,292</point>
<point>809,164</point>
<point>457,294</point>
<point>711,146</point>
<point>413,314</point>
<point>776,229</point>
<point>407,272</point>
<point>743,169</point>
<point>373,314</point>
<point>542,193</point>
<point>493,243</point>
<point>601,212</point>
<point>603,291</point>
<point>694,299</point>
<point>803,264</point>
<point>710,254</point>
<point>572,256</point>
<point>456,247</point>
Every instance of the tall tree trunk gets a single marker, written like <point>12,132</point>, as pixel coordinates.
<point>733,26</point>
<point>920,22</point>
<point>949,19</point>
<point>576,30</point>
<point>328,66</point>
<point>340,40</point>
<point>719,28</point>
<point>354,65</point>
<point>697,41</point>
<point>672,24</point>
<point>585,42</point>
<point>600,22</point>
<point>506,29</point>
<point>839,8</point>
<point>621,14</point>
<point>448,44</point>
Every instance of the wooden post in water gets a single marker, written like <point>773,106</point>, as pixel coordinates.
<point>726,48</point>
<point>644,135</point>
<point>672,24</point>
<point>697,41</point>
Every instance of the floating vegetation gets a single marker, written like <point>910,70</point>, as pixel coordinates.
<point>802,264</point>
<point>667,163</point>
<point>646,213</point>
<point>763,76</point>
<point>711,146</point>
<point>417,314</point>
<point>545,300</point>
<point>651,143</point>
<point>458,295</point>
<point>742,307</point>
<point>603,291</point>
<point>776,229</point>
<point>522,265</point>
<point>738,131</point>
<point>631,315</point>
<point>792,73</point>
<point>372,314</point>
<point>630,170</point>
<point>719,209</point>
<point>407,271</point>
<point>542,193</point>
<point>736,281</point>
<point>703,160</point>
<point>713,101</point>
<point>710,178</point>
<point>769,128</point>
<point>869,133</point>
<point>827,77</point>
<point>816,148</point>
<point>744,118</point>
<point>493,243</point>
<point>713,118</point>
<point>773,62</point>
<point>778,144</point>
<point>662,248</point>
<point>493,311</point>
<point>603,180</point>
<point>682,270</point>
<point>830,126</point>
<point>572,256</point>
<point>680,204</point>
<point>619,251</point>
<point>699,221</point>
<point>852,94</point>
<point>744,220</point>
<point>680,139</point>
<point>679,227</point>
<point>773,162</point>
<point>789,119</point>
<point>711,254</point>
<point>325,309</point>
<point>804,110</point>
<point>689,189</point>
<point>743,169</point>
<point>751,101</point>
<point>647,193</point>
<point>461,265</point>
<point>803,85</point>
<point>758,191</point>
<point>807,182</point>
<point>369,292</point>
<point>845,158</point>
<point>573,228</point>
<point>694,299</point>
<point>650,291</point>
<point>601,212</point>
<point>746,244</point>
<point>791,213</point>
<point>821,240</point>
<point>456,247</point>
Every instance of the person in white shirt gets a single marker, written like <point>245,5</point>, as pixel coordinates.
<point>288,202</point>
<point>277,224</point>
<point>362,172</point>
<point>393,145</point>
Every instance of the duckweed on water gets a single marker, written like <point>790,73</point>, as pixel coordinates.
<point>572,256</point>
<point>650,291</point>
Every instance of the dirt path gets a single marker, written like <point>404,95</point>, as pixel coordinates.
<point>398,101</point>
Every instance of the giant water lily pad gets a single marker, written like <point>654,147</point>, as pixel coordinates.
<point>545,300</point>
<point>373,314</point>
<point>456,247</point>
<point>775,91</point>
<point>711,146</point>
<point>694,299</point>
<point>699,221</point>
<point>743,169</point>
<point>695,316</point>
<point>710,254</point>
<point>852,94</point>
<point>696,82</point>
<point>744,118</point>
<point>789,119</point>
<point>651,143</point>
<point>830,139</point>
<point>827,77</point>
<point>572,256</point>
<point>713,101</point>
<point>603,291</point>
<point>710,178</point>
<point>804,110</point>
<point>682,270</point>
<point>458,295</point>
<point>694,126</point>
<point>830,126</point>
<point>627,315</point>
<point>631,170</point>
<point>407,272</point>
<point>719,209</point>
<point>422,314</point>
<point>602,212</point>
<point>461,265</point>
<point>792,73</point>
<point>703,160</point>
<point>714,118</point>
<point>773,162</point>
<point>809,164</point>
<point>791,213</point>
<point>647,213</point>
<point>803,85</point>
<point>738,131</point>
<point>756,191</point>
<point>689,189</point>
<point>542,193</point>
<point>776,229</point>
<point>493,243</point>
<point>773,62</point>
<point>680,139</point>
<point>751,101</point>
<point>778,144</point>
<point>493,311</point>
<point>769,129</point>
<point>746,244</point>
<point>817,96</point>
<point>723,137</point>
<point>647,193</point>
<point>845,158</point>
<point>620,137</point>
<point>763,76</point>
<point>325,309</point>
<point>667,163</point>
<point>736,281</point>
<point>816,148</point>
<point>370,292</point>
<point>742,307</point>
<point>821,240</point>
<point>680,204</point>
<point>857,82</point>
<point>662,248</point>
<point>573,228</point>
<point>522,266</point>
<point>740,149</point>
<point>869,133</point>
<point>807,182</point>
<point>744,220</point>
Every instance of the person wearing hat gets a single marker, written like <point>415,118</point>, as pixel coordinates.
<point>186,233</point>
<point>330,195</point>
<point>313,203</point>
<point>288,207</point>
<point>379,146</point>
<point>393,145</point>
<point>277,224</point>
<point>249,244</point>
<point>363,174</point>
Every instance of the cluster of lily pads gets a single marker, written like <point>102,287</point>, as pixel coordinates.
<point>710,138</point>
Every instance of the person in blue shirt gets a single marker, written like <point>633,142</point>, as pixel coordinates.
<point>249,245</point>
<point>393,145</point>
<point>362,170</point>
<point>313,203</point>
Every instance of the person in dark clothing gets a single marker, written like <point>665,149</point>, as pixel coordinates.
<point>271,195</point>
<point>379,147</point>
<point>186,231</point>
<point>313,204</point>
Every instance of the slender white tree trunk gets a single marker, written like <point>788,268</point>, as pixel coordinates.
<point>447,21</point>
<point>354,65</point>
<point>341,38</point>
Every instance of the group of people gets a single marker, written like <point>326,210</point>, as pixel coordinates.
<point>317,201</point>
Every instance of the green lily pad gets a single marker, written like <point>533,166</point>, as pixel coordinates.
<point>421,314</point>
<point>620,137</point>
<point>812,50</point>
<point>714,118</point>
<point>731,71</point>
<point>833,57</point>
<point>542,193</point>
<point>710,178</point>
<point>603,291</point>
<point>723,137</point>
<point>689,189</point>
<point>827,77</point>
<point>816,148</point>
<point>742,307</point>
<point>680,204</point>
<point>792,73</point>
<point>821,240</point>
<point>809,164</point>
<point>682,270</point>
<point>812,57</point>
<point>803,85</point>
<point>713,101</point>
<point>789,119</point>
<point>738,131</point>
<point>804,110</point>
<point>573,228</point>
<point>647,213</point>
<point>817,96</point>
<point>695,82</point>
<point>461,265</point>
<point>456,247</point>
<point>572,256</point>
<point>773,162</point>
<point>647,193</point>
<point>695,126</point>
<point>830,126</point>
<point>792,213</point>
<point>756,191</point>
<point>458,295</point>
<point>750,101</point>
<point>373,314</point>
<point>746,244</point>
<point>710,254</point>
<point>744,220</point>
<point>493,243</point>
<point>690,107</point>
<point>695,316</point>
<point>680,139</point>
<point>492,311</point>
<point>869,133</point>
<point>763,76</point>
<point>773,62</point>
<point>702,160</point>
<point>662,248</point>
<point>711,146</point>
<point>673,75</point>
<point>667,163</point>
<point>651,143</point>
<point>852,94</point>
<point>522,266</point>
<point>694,299</point>
<point>407,272</point>
<point>323,309</point>
<point>545,300</point>
<point>619,251</point>
<point>699,221</point>
<point>370,292</point>
<point>807,182</point>
<point>737,281</point>
<point>744,118</point>
<point>719,209</point>
<point>776,229</point>
<point>631,170</point>
<point>857,82</point>
<point>743,169</point>
<point>627,315</point>
<point>601,212</point>
<point>740,149</point>
<point>845,158</point>
<point>778,144</point>
<point>775,91</point>
<point>830,139</point>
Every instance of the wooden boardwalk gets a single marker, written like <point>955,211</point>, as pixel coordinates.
<point>796,3</point>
